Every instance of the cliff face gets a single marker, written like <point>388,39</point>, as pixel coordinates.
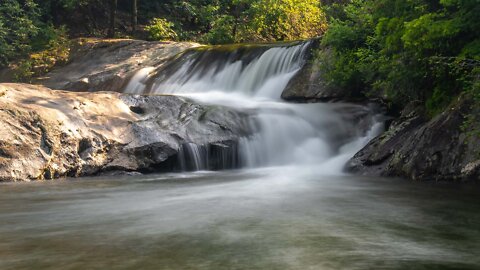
<point>442,148</point>
<point>49,134</point>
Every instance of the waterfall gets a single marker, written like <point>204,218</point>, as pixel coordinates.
<point>265,76</point>
<point>322,135</point>
<point>193,157</point>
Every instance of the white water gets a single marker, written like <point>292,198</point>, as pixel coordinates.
<point>322,136</point>
<point>138,81</point>
<point>192,157</point>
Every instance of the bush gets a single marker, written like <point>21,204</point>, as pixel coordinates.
<point>222,31</point>
<point>161,29</point>
<point>274,20</point>
<point>56,51</point>
<point>405,50</point>
<point>18,25</point>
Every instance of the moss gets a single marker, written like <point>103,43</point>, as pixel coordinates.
<point>245,46</point>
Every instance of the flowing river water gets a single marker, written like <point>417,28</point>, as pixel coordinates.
<point>289,206</point>
<point>252,79</point>
<point>276,218</point>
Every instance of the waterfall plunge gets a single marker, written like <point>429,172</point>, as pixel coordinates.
<point>322,135</point>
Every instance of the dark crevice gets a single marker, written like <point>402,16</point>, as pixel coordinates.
<point>83,145</point>
<point>137,109</point>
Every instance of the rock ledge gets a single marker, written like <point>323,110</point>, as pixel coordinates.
<point>49,134</point>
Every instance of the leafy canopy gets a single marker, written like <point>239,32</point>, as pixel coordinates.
<point>423,50</point>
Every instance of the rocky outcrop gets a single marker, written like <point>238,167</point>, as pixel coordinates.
<point>413,147</point>
<point>107,65</point>
<point>48,134</point>
<point>309,84</point>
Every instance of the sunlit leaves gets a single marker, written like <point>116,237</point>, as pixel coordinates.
<point>161,29</point>
<point>406,50</point>
<point>288,19</point>
<point>18,24</point>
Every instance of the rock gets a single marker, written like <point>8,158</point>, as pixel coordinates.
<point>7,75</point>
<point>49,134</point>
<point>413,147</point>
<point>107,65</point>
<point>308,85</point>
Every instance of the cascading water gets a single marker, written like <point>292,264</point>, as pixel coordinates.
<point>320,134</point>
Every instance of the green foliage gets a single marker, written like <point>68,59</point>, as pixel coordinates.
<point>24,35</point>
<point>161,29</point>
<point>25,25</point>
<point>55,51</point>
<point>404,50</point>
<point>287,19</point>
<point>222,32</point>
<point>18,25</point>
<point>232,21</point>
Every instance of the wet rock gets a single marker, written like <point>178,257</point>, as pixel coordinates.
<point>420,149</point>
<point>49,134</point>
<point>107,65</point>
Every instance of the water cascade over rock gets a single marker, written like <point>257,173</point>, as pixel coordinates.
<point>252,79</point>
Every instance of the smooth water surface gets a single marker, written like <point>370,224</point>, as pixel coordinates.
<point>271,218</point>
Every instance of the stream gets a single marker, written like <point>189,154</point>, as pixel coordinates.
<point>287,205</point>
<point>269,218</point>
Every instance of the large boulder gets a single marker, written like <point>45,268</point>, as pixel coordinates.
<point>107,65</point>
<point>443,148</point>
<point>48,134</point>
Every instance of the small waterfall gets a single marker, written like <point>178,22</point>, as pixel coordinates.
<point>323,135</point>
<point>256,72</point>
<point>193,157</point>
<point>138,82</point>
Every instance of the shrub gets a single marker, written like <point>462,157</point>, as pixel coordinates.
<point>222,31</point>
<point>18,24</point>
<point>405,50</point>
<point>161,29</point>
<point>275,20</point>
<point>56,51</point>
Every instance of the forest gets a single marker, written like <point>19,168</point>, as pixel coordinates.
<point>401,51</point>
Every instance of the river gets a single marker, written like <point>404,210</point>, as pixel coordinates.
<point>290,206</point>
<point>270,218</point>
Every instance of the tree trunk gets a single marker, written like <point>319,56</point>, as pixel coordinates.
<point>113,14</point>
<point>134,16</point>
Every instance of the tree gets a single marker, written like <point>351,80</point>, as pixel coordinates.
<point>266,20</point>
<point>287,19</point>
<point>113,15</point>
<point>418,50</point>
<point>161,29</point>
<point>134,16</point>
<point>18,25</point>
